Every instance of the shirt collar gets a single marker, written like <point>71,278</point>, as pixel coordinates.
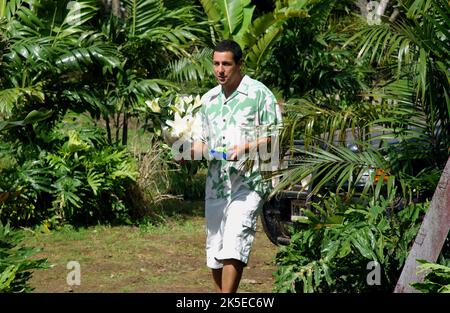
<point>242,88</point>
<point>243,85</point>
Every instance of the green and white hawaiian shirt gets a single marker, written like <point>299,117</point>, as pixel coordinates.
<point>251,112</point>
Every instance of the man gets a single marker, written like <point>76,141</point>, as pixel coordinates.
<point>236,116</point>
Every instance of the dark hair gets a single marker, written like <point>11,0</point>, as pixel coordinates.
<point>231,46</point>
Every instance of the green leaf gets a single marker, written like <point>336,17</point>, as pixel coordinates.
<point>233,15</point>
<point>7,277</point>
<point>246,22</point>
<point>32,117</point>
<point>95,180</point>
<point>362,242</point>
<point>211,9</point>
<point>261,48</point>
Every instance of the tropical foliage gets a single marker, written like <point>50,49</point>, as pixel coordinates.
<point>389,134</point>
<point>79,179</point>
<point>236,19</point>
<point>64,60</point>
<point>342,243</point>
<point>309,58</point>
<point>369,98</point>
<point>15,264</point>
<point>389,122</point>
<point>437,278</point>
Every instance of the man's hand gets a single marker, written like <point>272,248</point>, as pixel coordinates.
<point>199,149</point>
<point>238,152</point>
<point>234,152</point>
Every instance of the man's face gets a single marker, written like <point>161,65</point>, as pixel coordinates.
<point>226,70</point>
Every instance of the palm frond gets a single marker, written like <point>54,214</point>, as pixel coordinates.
<point>417,7</point>
<point>260,36</point>
<point>331,124</point>
<point>197,66</point>
<point>148,88</point>
<point>101,53</point>
<point>211,10</point>
<point>258,51</point>
<point>10,9</point>
<point>338,165</point>
<point>79,13</point>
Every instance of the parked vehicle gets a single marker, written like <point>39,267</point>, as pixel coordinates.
<point>285,208</point>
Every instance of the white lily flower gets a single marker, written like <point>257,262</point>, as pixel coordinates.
<point>179,104</point>
<point>194,105</point>
<point>179,125</point>
<point>153,105</point>
<point>187,99</point>
<point>185,124</point>
<point>196,128</point>
<point>197,102</point>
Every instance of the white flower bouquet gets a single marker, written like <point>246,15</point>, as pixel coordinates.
<point>182,119</point>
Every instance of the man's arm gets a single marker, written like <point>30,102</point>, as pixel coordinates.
<point>198,150</point>
<point>239,151</point>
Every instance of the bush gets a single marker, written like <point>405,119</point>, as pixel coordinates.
<point>68,175</point>
<point>152,185</point>
<point>437,279</point>
<point>15,265</point>
<point>331,251</point>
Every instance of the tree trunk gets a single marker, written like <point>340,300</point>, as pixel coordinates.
<point>382,7</point>
<point>117,126</point>
<point>125,127</point>
<point>431,236</point>
<point>112,6</point>
<point>115,8</point>
<point>108,129</point>
<point>362,5</point>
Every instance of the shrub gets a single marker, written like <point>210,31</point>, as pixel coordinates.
<point>68,175</point>
<point>15,265</point>
<point>331,250</point>
<point>437,278</point>
<point>152,185</point>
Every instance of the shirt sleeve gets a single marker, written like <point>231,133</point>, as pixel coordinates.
<point>203,121</point>
<point>270,123</point>
<point>270,119</point>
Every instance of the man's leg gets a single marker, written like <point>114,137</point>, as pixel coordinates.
<point>231,275</point>
<point>217,279</point>
<point>214,209</point>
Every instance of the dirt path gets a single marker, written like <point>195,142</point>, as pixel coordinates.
<point>168,258</point>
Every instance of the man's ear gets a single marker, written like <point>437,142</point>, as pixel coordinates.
<point>241,65</point>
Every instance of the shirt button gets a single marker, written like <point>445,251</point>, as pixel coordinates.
<point>224,120</point>
<point>223,137</point>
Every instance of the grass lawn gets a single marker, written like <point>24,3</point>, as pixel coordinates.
<point>168,257</point>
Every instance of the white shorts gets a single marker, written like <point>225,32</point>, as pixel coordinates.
<point>231,227</point>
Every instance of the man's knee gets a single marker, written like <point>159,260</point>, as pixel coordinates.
<point>236,263</point>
